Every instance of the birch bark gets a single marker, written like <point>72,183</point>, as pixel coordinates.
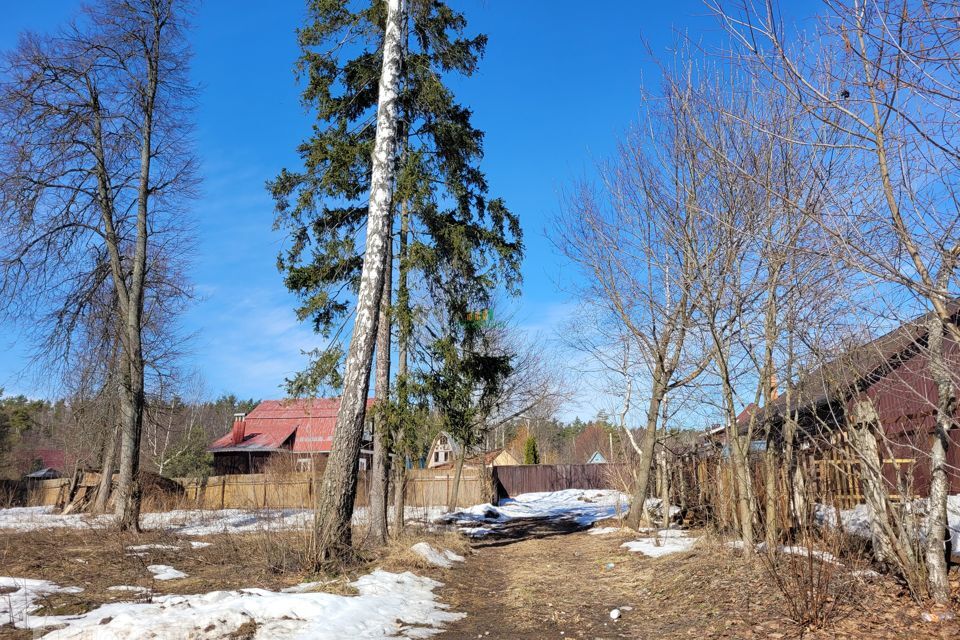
<point>332,541</point>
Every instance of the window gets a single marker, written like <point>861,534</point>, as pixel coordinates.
<point>443,441</point>
<point>446,454</point>
<point>436,456</point>
<point>363,464</point>
<point>304,464</point>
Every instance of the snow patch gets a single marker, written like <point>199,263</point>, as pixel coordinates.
<point>151,547</point>
<point>389,605</point>
<point>856,521</point>
<point>19,597</point>
<point>189,522</point>
<point>665,542</point>
<point>130,589</point>
<point>582,506</point>
<point>165,572</point>
<point>602,531</point>
<point>434,557</point>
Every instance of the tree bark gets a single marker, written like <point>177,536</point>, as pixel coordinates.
<point>379,468</point>
<point>455,494</point>
<point>332,542</point>
<point>399,485</point>
<point>935,553</point>
<point>637,516</point>
<point>106,472</point>
<point>129,491</point>
<point>664,489</point>
<point>404,330</point>
<point>892,532</point>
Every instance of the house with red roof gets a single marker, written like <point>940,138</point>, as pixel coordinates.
<point>301,429</point>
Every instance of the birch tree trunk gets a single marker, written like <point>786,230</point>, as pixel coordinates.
<point>893,533</point>
<point>379,468</point>
<point>332,541</point>
<point>936,556</point>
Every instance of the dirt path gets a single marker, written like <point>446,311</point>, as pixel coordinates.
<point>538,588</point>
<point>562,586</point>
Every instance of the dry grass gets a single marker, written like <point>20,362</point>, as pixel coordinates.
<point>396,555</point>
<point>96,559</point>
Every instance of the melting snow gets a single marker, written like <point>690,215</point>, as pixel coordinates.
<point>665,542</point>
<point>187,522</point>
<point>434,557</point>
<point>123,587</point>
<point>856,521</point>
<point>18,598</point>
<point>151,547</point>
<point>389,605</point>
<point>165,572</point>
<point>583,506</point>
<point>602,531</point>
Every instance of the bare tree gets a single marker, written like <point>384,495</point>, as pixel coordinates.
<point>881,80</point>
<point>95,165</point>
<point>631,241</point>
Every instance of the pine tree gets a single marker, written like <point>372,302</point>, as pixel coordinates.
<point>466,371</point>
<point>450,229</point>
<point>530,453</point>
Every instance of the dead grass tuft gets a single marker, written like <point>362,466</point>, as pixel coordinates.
<point>396,555</point>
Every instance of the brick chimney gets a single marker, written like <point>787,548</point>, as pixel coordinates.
<point>239,428</point>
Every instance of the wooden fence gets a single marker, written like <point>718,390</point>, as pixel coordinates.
<point>527,478</point>
<point>424,488</point>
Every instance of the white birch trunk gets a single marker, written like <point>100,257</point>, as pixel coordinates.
<point>332,534</point>
<point>935,554</point>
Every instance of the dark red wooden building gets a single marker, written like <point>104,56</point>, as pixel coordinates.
<point>300,429</point>
<point>892,372</point>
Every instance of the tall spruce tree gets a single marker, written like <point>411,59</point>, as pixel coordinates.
<point>449,227</point>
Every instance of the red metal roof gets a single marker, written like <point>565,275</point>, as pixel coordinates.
<point>304,425</point>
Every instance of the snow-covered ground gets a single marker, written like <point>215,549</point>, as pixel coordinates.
<point>388,605</point>
<point>188,522</point>
<point>165,572</point>
<point>582,506</point>
<point>602,531</point>
<point>856,521</point>
<point>662,542</point>
<point>18,597</point>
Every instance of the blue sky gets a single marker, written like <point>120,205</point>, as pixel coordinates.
<point>560,82</point>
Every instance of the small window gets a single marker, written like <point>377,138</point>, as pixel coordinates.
<point>436,456</point>
<point>363,464</point>
<point>445,456</point>
<point>304,464</point>
<point>443,441</point>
